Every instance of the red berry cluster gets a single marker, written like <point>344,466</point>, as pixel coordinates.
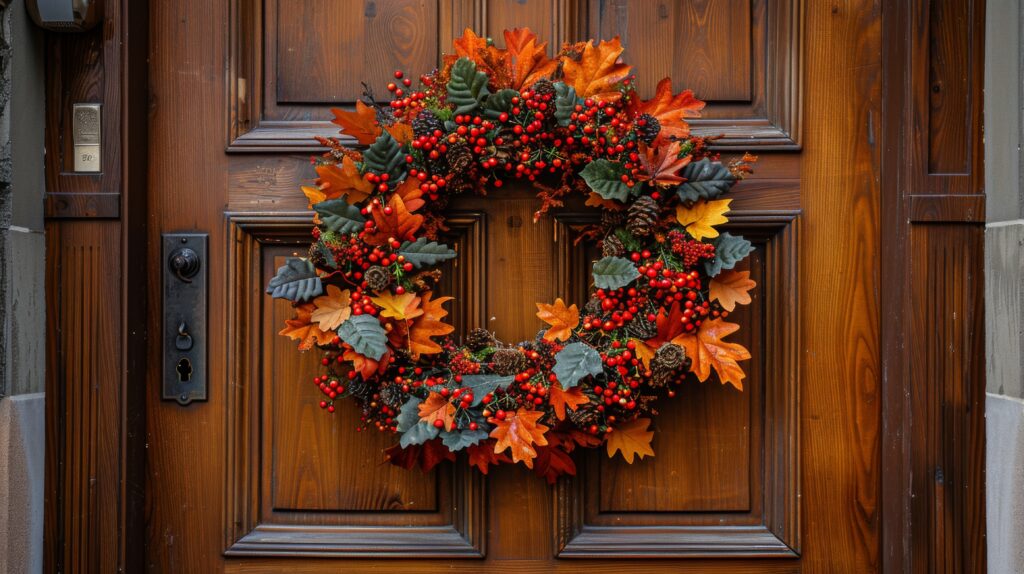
<point>691,251</point>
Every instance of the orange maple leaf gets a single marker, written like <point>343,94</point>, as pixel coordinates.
<point>404,306</point>
<point>437,408</point>
<point>529,60</point>
<point>482,456</point>
<point>411,194</point>
<point>364,365</point>
<point>520,432</point>
<point>303,329</point>
<point>313,195</point>
<point>670,110</point>
<point>707,349</point>
<point>428,325</point>
<point>598,71</point>
<point>595,200</point>
<point>561,318</point>
<point>399,224</point>
<point>732,287</point>
<point>332,309</point>
<point>560,398</point>
<point>488,58</point>
<point>336,181</point>
<point>662,163</point>
<point>401,132</point>
<point>631,439</point>
<point>360,124</point>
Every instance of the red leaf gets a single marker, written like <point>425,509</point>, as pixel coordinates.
<point>552,463</point>
<point>482,456</point>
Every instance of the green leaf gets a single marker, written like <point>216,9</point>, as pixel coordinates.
<point>340,216</point>
<point>385,156</point>
<point>566,101</point>
<point>409,416</point>
<point>484,384</point>
<point>605,178</point>
<point>576,361</point>
<point>614,272</point>
<point>365,335</point>
<point>423,253</point>
<point>500,101</point>
<point>458,440</point>
<point>705,179</point>
<point>296,280</point>
<point>418,434</point>
<point>467,87</point>
<point>729,250</point>
<point>628,241</point>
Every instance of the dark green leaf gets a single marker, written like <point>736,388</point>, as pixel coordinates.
<point>422,253</point>
<point>484,384</point>
<point>418,434</point>
<point>566,101</point>
<point>409,416</point>
<point>605,178</point>
<point>614,272</point>
<point>296,280</point>
<point>467,87</point>
<point>500,101</point>
<point>729,250</point>
<point>340,216</point>
<point>385,156</point>
<point>457,440</point>
<point>365,335</point>
<point>576,361</point>
<point>705,179</point>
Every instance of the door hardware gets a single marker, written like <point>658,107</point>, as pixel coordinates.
<point>86,126</point>
<point>184,325</point>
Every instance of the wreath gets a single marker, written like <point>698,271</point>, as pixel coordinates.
<point>572,124</point>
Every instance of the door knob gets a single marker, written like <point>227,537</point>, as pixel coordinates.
<point>185,263</point>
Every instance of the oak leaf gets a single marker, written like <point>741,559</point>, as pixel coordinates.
<point>670,110</point>
<point>496,63</point>
<point>438,408</point>
<point>560,399</point>
<point>519,432</point>
<point>732,287</point>
<point>529,60</point>
<point>598,71</point>
<point>332,309</point>
<point>701,218</point>
<point>483,457</point>
<point>561,318</point>
<point>428,325</point>
<point>404,306</point>
<point>313,195</point>
<point>343,181</point>
<point>662,163</point>
<point>399,224</point>
<point>401,132</point>
<point>360,124</point>
<point>304,330</point>
<point>631,439</point>
<point>707,349</point>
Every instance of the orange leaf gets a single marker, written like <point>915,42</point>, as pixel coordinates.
<point>644,352</point>
<point>669,326</point>
<point>598,72</point>
<point>313,195</point>
<point>360,124</point>
<point>364,365</point>
<point>663,163</point>
<point>399,224</point>
<point>561,318</point>
<point>530,62</point>
<point>337,181</point>
<point>595,200</point>
<point>732,287</point>
<point>519,432</point>
<point>707,349</point>
<point>404,306</point>
<point>437,408</point>
<point>559,399</point>
<point>670,110</point>
<point>411,194</point>
<point>489,59</point>
<point>428,325</point>
<point>302,329</point>
<point>632,439</point>
<point>401,132</point>
<point>482,456</point>
<point>332,309</point>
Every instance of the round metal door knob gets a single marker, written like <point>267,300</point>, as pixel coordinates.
<point>184,263</point>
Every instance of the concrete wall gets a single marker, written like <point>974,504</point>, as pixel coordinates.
<point>22,300</point>
<point>1004,286</point>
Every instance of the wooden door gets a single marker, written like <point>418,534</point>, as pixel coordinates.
<point>783,477</point>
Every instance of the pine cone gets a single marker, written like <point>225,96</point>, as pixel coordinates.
<point>612,246</point>
<point>544,88</point>
<point>641,328</point>
<point>392,395</point>
<point>426,123</point>
<point>479,339</point>
<point>612,219</point>
<point>583,417</point>
<point>508,361</point>
<point>460,158</point>
<point>426,280</point>
<point>647,127</point>
<point>643,216</point>
<point>668,361</point>
<point>378,278</point>
<point>359,389</point>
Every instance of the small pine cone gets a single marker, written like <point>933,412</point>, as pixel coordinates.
<point>392,395</point>
<point>643,216</point>
<point>460,158</point>
<point>647,127</point>
<point>544,88</point>
<point>612,219</point>
<point>641,328</point>
<point>593,307</point>
<point>583,417</point>
<point>426,123</point>
<point>378,278</point>
<point>426,280</point>
<point>359,389</point>
<point>668,361</point>
<point>508,361</point>
<point>612,246</point>
<point>479,339</point>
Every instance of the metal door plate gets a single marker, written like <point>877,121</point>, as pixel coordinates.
<point>185,277</point>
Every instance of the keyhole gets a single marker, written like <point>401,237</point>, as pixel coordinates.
<point>184,369</point>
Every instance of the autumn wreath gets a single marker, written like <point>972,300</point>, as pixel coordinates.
<point>572,124</point>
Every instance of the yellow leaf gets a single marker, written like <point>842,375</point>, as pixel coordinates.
<point>561,318</point>
<point>732,287</point>
<point>404,306</point>
<point>332,309</point>
<point>313,195</point>
<point>702,217</point>
<point>632,439</point>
